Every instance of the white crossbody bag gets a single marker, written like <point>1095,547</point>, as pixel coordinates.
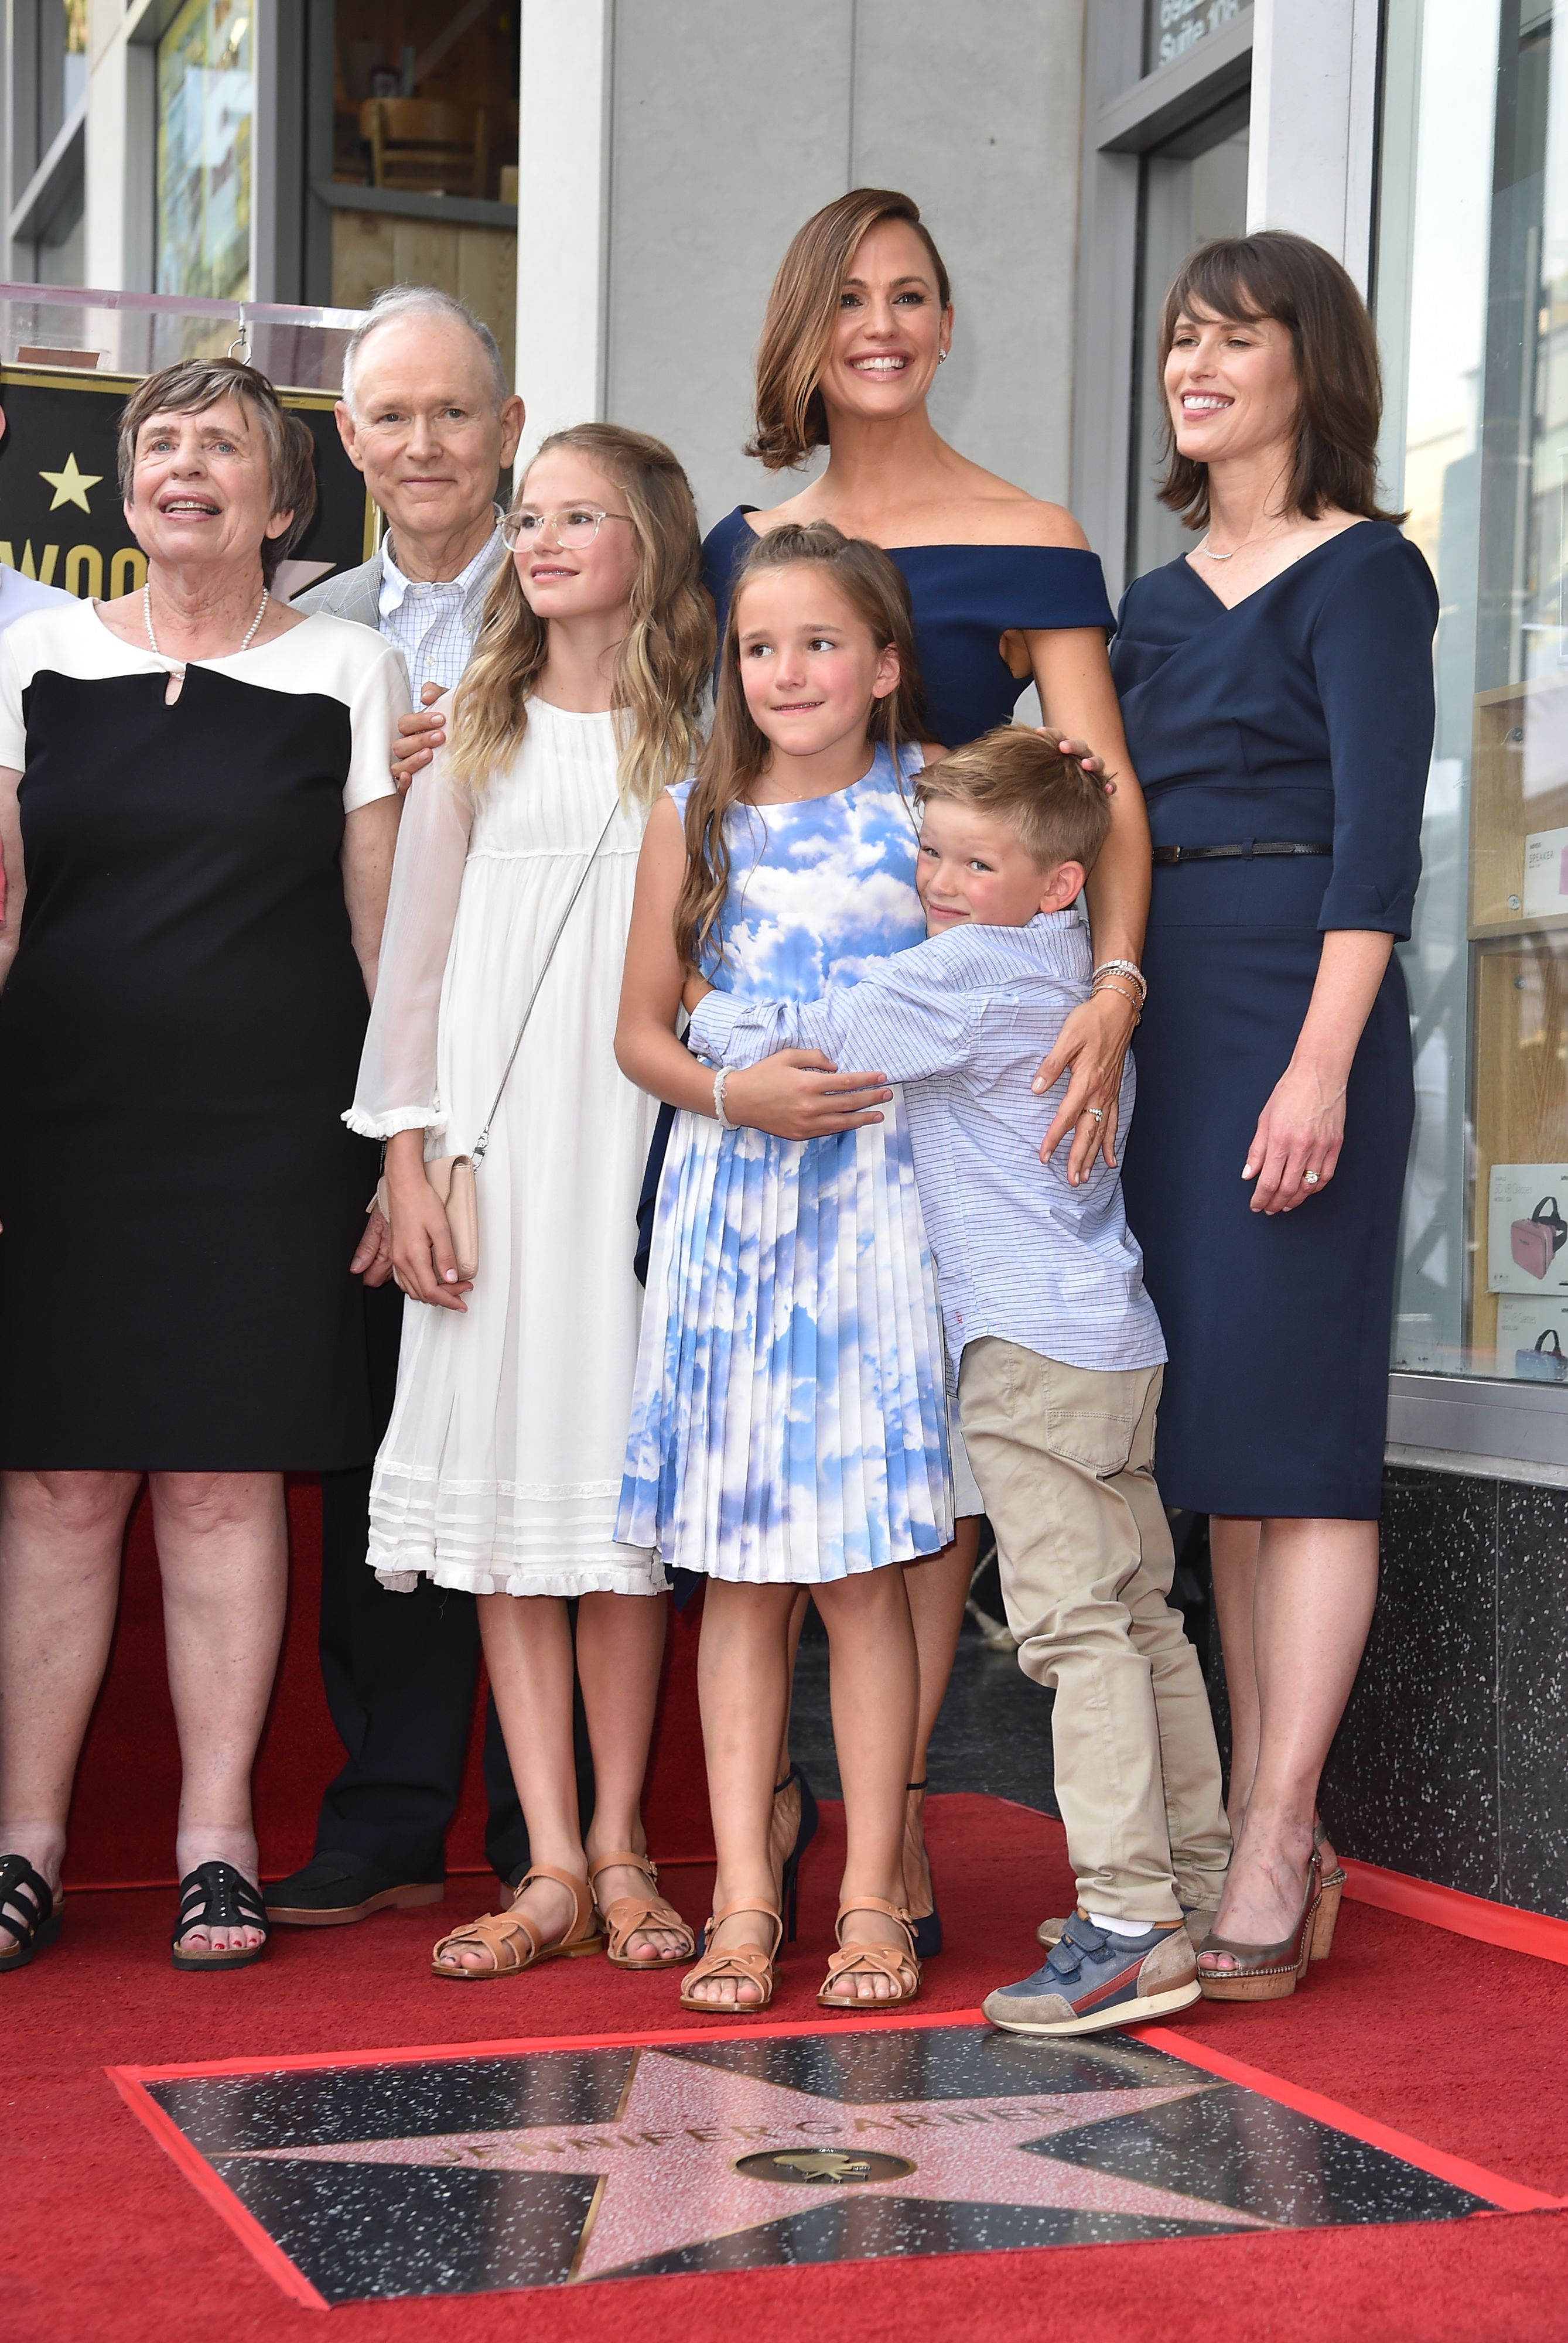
<point>453,1177</point>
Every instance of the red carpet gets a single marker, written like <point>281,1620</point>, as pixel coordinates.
<point>1446,2039</point>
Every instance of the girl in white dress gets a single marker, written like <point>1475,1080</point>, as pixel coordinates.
<point>501,1466</point>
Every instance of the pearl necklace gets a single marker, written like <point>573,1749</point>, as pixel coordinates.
<point>245,646</point>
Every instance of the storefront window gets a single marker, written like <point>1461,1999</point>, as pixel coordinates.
<point>205,109</point>
<point>1472,311</point>
<point>414,151</point>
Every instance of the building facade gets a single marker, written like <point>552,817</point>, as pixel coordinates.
<point>1067,156</point>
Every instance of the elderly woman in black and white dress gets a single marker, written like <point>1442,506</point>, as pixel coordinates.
<point>197,821</point>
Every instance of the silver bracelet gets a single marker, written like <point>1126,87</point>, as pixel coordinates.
<point>1108,984</point>
<point>720,1079</point>
<point>1124,967</point>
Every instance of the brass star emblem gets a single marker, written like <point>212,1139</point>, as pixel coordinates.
<point>71,485</point>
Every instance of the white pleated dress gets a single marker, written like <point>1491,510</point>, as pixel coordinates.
<point>502,1467</point>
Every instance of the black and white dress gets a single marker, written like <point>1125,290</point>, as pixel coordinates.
<point>182,1023</point>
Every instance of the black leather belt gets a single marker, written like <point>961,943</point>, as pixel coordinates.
<point>1234,853</point>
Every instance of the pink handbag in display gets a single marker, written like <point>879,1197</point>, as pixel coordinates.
<point>1536,1243</point>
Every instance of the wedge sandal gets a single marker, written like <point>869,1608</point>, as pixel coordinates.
<point>1330,1887</point>
<point>1263,1972</point>
<point>631,1916</point>
<point>752,1964</point>
<point>898,1963</point>
<point>511,1939</point>
<point>29,1911</point>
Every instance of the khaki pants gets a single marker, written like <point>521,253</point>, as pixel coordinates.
<point>1062,1456</point>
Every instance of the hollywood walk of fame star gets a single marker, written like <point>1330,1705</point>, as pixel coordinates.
<point>666,2163</point>
<point>71,485</point>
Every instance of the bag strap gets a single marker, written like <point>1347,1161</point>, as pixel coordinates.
<point>1541,1341</point>
<point>1541,1212</point>
<point>476,1152</point>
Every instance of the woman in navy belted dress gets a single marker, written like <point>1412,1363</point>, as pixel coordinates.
<point>1004,591</point>
<point>1276,686</point>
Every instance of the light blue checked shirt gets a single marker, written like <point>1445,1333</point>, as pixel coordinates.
<point>962,1020</point>
<point>434,624</point>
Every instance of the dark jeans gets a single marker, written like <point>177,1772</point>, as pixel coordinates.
<point>399,1673</point>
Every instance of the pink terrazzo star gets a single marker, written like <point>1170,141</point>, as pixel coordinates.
<point>666,2163</point>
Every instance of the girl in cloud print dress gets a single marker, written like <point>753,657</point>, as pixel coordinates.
<point>788,1424</point>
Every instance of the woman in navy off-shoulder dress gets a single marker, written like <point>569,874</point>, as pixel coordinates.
<point>1276,684</point>
<point>1005,592</point>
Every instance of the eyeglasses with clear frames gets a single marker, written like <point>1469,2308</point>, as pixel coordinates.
<point>573,528</point>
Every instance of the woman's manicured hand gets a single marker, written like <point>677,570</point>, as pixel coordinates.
<point>424,1262</point>
<point>1300,1130</point>
<point>799,1094</point>
<point>1091,1047</point>
<point>372,1254</point>
<point>419,734</point>
<point>1081,750</point>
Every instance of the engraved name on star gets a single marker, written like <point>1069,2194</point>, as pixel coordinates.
<point>700,2119</point>
<point>71,485</point>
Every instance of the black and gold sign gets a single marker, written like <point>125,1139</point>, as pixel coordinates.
<point>61,518</point>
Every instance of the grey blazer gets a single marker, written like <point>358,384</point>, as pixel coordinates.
<point>357,593</point>
<point>352,594</point>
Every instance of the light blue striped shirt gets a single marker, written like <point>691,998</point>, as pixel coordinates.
<point>962,1020</point>
<point>434,623</point>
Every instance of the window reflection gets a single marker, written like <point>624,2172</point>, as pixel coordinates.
<point>1473,305</point>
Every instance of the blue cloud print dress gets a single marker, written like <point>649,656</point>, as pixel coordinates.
<point>789,1421</point>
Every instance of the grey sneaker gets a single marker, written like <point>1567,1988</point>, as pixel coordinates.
<point>1198,1918</point>
<point>1093,1981</point>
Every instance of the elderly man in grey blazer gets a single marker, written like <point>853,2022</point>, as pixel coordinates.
<point>426,416</point>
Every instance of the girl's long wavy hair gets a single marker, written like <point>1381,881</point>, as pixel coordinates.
<point>663,666</point>
<point>738,750</point>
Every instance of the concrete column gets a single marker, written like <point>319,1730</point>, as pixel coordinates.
<point>121,161</point>
<point>563,190</point>
<point>1313,124</point>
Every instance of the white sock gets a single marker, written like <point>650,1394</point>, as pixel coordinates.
<point>1120,1927</point>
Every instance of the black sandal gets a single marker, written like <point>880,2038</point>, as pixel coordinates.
<point>217,1896</point>
<point>29,1910</point>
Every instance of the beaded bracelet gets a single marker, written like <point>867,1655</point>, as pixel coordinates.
<point>720,1079</point>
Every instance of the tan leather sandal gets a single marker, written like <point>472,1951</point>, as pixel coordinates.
<point>511,1939</point>
<point>752,1962</point>
<point>631,1916</point>
<point>897,1963</point>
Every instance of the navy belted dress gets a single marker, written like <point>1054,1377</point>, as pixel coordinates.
<point>1304,716</point>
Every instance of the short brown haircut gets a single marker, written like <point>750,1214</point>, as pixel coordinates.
<point>797,329</point>
<point>1303,289</point>
<point>1058,813</point>
<point>192,385</point>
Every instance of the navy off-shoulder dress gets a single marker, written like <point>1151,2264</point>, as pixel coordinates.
<point>1303,715</point>
<point>964,598</point>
